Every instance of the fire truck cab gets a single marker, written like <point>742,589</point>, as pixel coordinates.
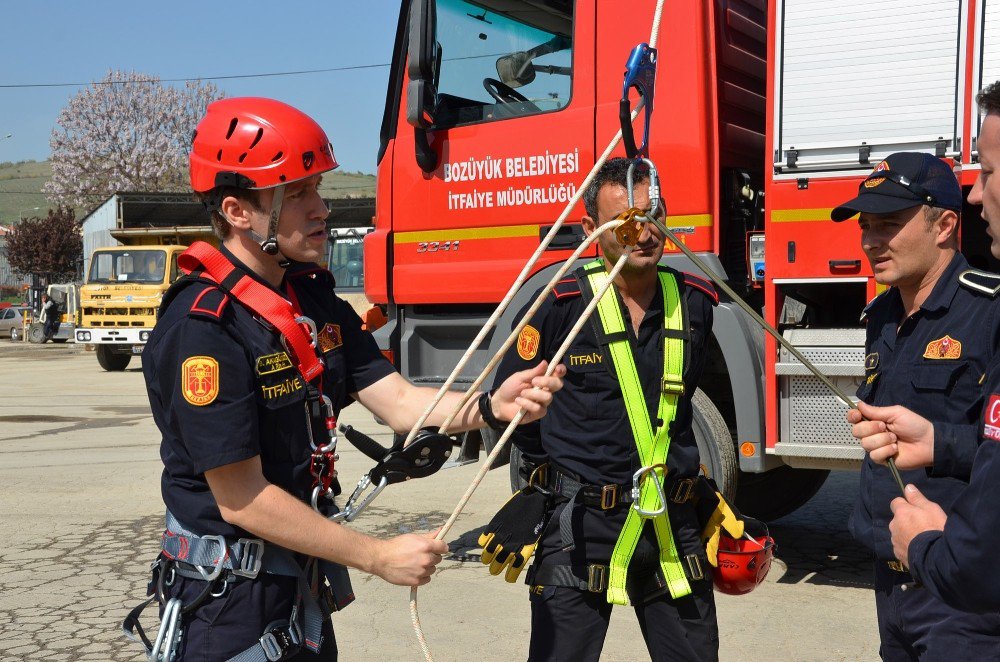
<point>765,116</point>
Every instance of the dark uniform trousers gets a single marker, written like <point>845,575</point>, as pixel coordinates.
<point>571,624</point>
<point>914,624</point>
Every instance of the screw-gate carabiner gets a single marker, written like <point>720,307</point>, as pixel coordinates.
<point>640,73</point>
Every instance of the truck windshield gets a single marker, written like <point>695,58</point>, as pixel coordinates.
<point>502,59</point>
<point>132,266</point>
<point>346,258</point>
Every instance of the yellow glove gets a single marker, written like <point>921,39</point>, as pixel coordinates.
<point>510,538</point>
<point>723,517</point>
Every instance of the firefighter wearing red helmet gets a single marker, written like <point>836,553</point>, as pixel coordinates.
<point>251,360</point>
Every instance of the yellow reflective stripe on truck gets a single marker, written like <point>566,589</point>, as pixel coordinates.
<point>514,231</point>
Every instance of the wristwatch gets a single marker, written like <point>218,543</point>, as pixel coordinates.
<point>486,411</point>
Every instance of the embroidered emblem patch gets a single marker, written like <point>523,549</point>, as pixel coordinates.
<point>330,338</point>
<point>585,359</point>
<point>527,342</point>
<point>200,375</point>
<point>871,361</point>
<point>943,348</point>
<point>991,418</point>
<point>273,363</point>
<point>872,182</point>
<point>287,387</point>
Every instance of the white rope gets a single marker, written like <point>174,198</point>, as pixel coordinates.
<point>573,332</point>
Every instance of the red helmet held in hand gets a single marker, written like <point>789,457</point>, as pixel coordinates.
<point>744,562</point>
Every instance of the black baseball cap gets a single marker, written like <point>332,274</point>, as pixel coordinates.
<point>901,181</point>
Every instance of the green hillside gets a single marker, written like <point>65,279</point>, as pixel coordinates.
<point>21,185</point>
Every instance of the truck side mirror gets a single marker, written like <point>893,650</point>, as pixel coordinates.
<point>516,69</point>
<point>423,55</point>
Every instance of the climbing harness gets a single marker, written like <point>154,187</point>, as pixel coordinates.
<point>649,502</point>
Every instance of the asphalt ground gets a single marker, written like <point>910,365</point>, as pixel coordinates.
<point>81,516</point>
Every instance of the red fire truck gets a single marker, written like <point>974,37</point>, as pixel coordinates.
<point>766,115</point>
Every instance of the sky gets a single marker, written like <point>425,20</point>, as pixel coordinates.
<point>63,41</point>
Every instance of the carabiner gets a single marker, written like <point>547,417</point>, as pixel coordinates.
<point>640,73</point>
<point>654,189</point>
<point>637,479</point>
<point>352,510</point>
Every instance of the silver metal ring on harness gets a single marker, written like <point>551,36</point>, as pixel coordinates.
<point>637,479</point>
<point>223,555</point>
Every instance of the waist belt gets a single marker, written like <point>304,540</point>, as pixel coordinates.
<point>639,588</point>
<point>605,497</point>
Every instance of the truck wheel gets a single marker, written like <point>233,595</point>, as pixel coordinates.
<point>36,333</point>
<point>110,360</point>
<point>776,493</point>
<point>715,443</point>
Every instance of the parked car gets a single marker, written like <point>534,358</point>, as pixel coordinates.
<point>11,322</point>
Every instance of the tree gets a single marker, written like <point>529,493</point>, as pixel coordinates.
<point>50,247</point>
<point>126,132</point>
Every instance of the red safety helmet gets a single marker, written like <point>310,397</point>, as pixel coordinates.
<point>256,143</point>
<point>744,562</point>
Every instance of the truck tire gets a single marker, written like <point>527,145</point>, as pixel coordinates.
<point>715,443</point>
<point>111,360</point>
<point>36,333</point>
<point>776,493</point>
<point>715,447</point>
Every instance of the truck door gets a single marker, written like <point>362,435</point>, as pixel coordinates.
<point>506,101</point>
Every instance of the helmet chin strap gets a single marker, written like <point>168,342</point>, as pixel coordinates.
<point>270,244</point>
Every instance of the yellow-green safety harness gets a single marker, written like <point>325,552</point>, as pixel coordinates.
<point>652,446</point>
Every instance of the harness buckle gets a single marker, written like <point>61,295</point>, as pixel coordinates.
<point>694,567</point>
<point>682,490</point>
<point>597,578</point>
<point>673,385</point>
<point>637,479</point>
<point>609,497</point>
<point>251,557</point>
<point>275,642</point>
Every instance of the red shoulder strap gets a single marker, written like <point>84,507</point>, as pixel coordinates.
<point>257,297</point>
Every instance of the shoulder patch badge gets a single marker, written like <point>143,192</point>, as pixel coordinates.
<point>527,342</point>
<point>943,348</point>
<point>330,338</point>
<point>200,376</point>
<point>871,361</point>
<point>991,418</point>
<point>273,363</point>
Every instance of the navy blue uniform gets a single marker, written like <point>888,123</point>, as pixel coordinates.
<point>933,363</point>
<point>223,389</point>
<point>958,564</point>
<point>586,435</point>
